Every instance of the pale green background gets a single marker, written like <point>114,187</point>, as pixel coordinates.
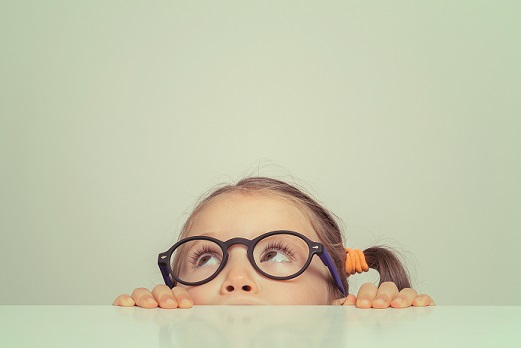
<point>403,117</point>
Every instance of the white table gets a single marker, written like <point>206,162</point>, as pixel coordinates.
<point>259,326</point>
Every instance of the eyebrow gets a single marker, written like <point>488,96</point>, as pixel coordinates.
<point>253,236</point>
<point>216,235</point>
<point>206,234</point>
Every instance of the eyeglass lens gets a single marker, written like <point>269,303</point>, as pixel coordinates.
<point>279,255</point>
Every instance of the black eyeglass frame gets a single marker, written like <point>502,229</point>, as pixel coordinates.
<point>315,248</point>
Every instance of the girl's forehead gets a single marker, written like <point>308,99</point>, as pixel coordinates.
<point>248,215</point>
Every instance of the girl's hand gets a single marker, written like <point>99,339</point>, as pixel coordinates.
<point>387,295</point>
<point>161,296</point>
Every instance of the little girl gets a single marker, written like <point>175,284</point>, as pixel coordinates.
<point>264,241</point>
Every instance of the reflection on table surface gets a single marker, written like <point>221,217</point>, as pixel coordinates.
<point>256,326</point>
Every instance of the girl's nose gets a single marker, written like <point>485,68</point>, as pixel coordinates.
<point>240,276</point>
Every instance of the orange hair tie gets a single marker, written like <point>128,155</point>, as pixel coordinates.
<point>355,261</point>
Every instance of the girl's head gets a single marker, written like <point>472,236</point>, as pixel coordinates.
<point>254,206</point>
<point>257,205</point>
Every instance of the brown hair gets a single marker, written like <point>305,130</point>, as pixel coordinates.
<point>323,222</point>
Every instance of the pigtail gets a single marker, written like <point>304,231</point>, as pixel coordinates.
<point>388,266</point>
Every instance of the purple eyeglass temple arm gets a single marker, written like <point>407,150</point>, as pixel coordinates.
<point>164,270</point>
<point>326,259</point>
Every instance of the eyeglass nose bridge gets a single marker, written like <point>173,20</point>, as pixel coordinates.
<point>238,240</point>
<point>250,244</point>
<point>315,248</point>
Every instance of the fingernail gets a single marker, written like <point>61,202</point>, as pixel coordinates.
<point>169,301</point>
<point>379,301</point>
<point>185,301</point>
<point>364,302</point>
<point>399,301</point>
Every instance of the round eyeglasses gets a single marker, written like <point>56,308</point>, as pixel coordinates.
<point>279,255</point>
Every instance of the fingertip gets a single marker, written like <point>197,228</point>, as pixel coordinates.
<point>427,300</point>
<point>127,301</point>
<point>124,301</point>
<point>363,303</point>
<point>116,301</point>
<point>168,303</point>
<point>398,303</point>
<point>149,302</point>
<point>338,302</point>
<point>183,297</point>
<point>380,303</point>
<point>350,300</point>
<point>419,301</point>
<point>185,303</point>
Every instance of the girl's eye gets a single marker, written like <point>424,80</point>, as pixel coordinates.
<point>206,260</point>
<point>205,256</point>
<point>277,252</point>
<point>274,256</point>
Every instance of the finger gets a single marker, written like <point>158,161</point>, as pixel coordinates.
<point>366,295</point>
<point>350,300</point>
<point>404,298</point>
<point>144,298</point>
<point>339,301</point>
<point>422,301</point>
<point>124,301</point>
<point>386,293</point>
<point>164,297</point>
<point>182,297</point>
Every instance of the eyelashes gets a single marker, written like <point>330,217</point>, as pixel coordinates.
<point>274,251</point>
<point>279,247</point>
<point>203,254</point>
